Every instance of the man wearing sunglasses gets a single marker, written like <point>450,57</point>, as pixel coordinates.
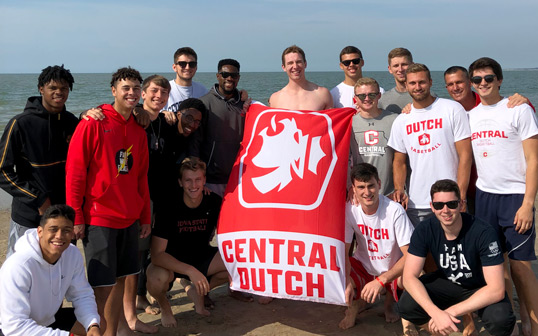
<point>351,62</point>
<point>505,146</point>
<point>470,270</point>
<point>371,129</point>
<point>221,131</point>
<point>183,87</point>
<point>394,100</point>
<point>299,93</point>
<point>435,136</point>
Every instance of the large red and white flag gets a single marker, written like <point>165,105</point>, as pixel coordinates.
<point>281,227</point>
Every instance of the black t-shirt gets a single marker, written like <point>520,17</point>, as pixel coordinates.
<point>166,148</point>
<point>187,230</point>
<point>459,260</point>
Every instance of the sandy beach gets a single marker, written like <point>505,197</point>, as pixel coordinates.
<point>232,317</point>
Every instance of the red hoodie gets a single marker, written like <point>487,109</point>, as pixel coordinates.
<point>107,172</point>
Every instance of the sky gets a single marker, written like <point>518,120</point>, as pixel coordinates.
<point>103,35</point>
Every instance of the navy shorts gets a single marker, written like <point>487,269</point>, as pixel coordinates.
<point>499,210</point>
<point>110,253</point>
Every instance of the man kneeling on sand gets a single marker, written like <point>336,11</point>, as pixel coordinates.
<point>180,244</point>
<point>43,271</point>
<point>382,231</point>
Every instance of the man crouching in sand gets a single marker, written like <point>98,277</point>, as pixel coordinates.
<point>382,231</point>
<point>180,244</point>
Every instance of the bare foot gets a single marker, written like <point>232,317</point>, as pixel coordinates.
<point>469,328</point>
<point>243,297</point>
<point>265,300</point>
<point>143,328</point>
<point>409,328</point>
<point>391,315</point>
<point>142,303</point>
<point>208,303</point>
<point>202,311</point>
<point>168,320</point>
<point>351,315</point>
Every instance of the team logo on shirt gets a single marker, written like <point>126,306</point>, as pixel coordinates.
<point>372,246</point>
<point>424,139</point>
<point>124,161</point>
<point>371,137</point>
<point>494,249</point>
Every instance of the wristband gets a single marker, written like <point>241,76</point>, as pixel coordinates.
<point>93,325</point>
<point>380,282</point>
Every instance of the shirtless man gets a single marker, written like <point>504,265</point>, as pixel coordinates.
<point>299,94</point>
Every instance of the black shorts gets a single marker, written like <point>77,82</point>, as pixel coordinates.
<point>110,253</point>
<point>64,319</point>
<point>498,318</point>
<point>201,263</point>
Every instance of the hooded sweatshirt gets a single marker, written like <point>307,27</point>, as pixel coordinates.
<point>33,150</point>
<point>107,172</point>
<point>32,290</point>
<point>219,138</point>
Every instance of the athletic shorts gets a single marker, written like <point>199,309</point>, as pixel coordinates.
<point>361,277</point>
<point>498,318</point>
<point>499,210</point>
<point>201,263</point>
<point>110,253</point>
<point>418,215</point>
<point>64,319</point>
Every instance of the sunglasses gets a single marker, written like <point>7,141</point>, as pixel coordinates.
<point>449,204</point>
<point>191,121</point>
<point>477,79</point>
<point>362,96</point>
<point>191,64</point>
<point>226,74</point>
<point>354,61</point>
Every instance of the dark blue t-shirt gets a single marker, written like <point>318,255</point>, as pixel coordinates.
<point>459,260</point>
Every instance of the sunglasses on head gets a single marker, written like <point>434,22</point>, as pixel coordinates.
<point>477,79</point>
<point>354,61</point>
<point>226,74</point>
<point>449,204</point>
<point>191,64</point>
<point>362,96</point>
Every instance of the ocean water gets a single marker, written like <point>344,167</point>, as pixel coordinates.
<point>91,90</point>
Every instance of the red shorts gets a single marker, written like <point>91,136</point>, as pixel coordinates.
<point>361,277</point>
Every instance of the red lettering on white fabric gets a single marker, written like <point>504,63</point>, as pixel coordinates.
<point>424,125</point>
<point>291,289</point>
<point>239,250</point>
<point>227,245</point>
<point>311,285</point>
<point>276,248</point>
<point>296,251</point>
<point>317,256</point>
<point>257,250</point>
<point>274,273</point>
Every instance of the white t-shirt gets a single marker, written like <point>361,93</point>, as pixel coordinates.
<point>497,135</point>
<point>379,236</point>
<point>427,136</point>
<point>343,95</point>
<point>179,93</point>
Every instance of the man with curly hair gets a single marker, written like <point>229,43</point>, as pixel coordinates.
<point>107,169</point>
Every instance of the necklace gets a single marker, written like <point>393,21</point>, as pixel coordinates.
<point>155,137</point>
